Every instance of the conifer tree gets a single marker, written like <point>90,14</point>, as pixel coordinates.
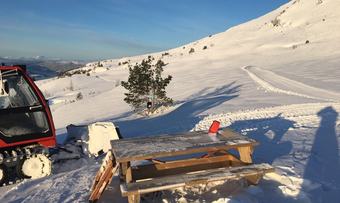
<point>146,84</point>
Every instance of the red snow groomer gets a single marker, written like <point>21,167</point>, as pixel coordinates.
<point>26,127</point>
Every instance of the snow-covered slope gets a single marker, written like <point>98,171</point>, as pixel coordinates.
<point>299,41</point>
<point>275,78</point>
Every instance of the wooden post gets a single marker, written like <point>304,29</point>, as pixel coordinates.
<point>125,167</point>
<point>122,169</point>
<point>245,154</point>
<point>134,198</point>
<point>128,176</point>
<point>127,172</point>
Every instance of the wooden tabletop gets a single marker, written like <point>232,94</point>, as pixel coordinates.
<point>141,148</point>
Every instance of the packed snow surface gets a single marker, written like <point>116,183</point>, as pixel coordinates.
<point>274,79</point>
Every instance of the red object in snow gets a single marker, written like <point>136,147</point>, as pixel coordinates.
<point>214,127</point>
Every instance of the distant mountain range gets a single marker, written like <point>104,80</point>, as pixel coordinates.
<point>41,67</point>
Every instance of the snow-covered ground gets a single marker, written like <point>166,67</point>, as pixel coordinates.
<point>275,79</point>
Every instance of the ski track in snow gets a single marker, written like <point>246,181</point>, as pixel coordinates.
<point>266,79</point>
<point>304,115</point>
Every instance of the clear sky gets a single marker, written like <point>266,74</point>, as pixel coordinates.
<point>101,29</point>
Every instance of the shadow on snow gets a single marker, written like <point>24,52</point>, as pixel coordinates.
<point>181,119</point>
<point>321,173</point>
<point>323,165</point>
<point>269,132</point>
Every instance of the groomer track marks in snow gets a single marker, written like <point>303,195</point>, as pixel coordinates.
<point>272,82</point>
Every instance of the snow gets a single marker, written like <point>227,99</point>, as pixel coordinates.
<point>272,81</point>
<point>261,80</point>
<point>53,189</point>
<point>95,138</point>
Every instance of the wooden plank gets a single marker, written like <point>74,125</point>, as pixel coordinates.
<point>188,179</point>
<point>156,161</point>
<point>143,148</point>
<point>234,161</point>
<point>103,177</point>
<point>184,166</point>
<point>245,154</point>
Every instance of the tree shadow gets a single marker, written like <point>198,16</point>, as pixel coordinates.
<point>269,132</point>
<point>182,118</point>
<point>323,165</point>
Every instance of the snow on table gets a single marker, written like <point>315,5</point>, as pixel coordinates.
<point>169,145</point>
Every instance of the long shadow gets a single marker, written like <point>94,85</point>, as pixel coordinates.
<point>182,118</point>
<point>269,132</point>
<point>323,165</point>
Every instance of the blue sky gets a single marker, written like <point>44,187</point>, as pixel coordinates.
<point>100,29</point>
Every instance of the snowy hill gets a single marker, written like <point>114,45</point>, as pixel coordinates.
<point>279,49</point>
<point>275,79</point>
<point>41,67</point>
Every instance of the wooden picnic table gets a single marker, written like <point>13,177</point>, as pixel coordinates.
<point>143,148</point>
<point>216,150</point>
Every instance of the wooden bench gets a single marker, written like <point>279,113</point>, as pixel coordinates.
<point>216,161</point>
<point>135,189</point>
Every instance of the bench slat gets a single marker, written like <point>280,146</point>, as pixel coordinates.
<point>175,181</point>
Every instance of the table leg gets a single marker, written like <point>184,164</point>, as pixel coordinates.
<point>128,175</point>
<point>245,154</point>
<point>126,171</point>
<point>134,198</point>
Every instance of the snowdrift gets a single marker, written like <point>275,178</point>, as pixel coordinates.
<point>94,138</point>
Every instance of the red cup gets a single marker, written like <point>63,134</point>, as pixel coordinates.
<point>214,127</point>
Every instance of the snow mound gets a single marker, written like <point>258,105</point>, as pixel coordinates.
<point>94,138</point>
